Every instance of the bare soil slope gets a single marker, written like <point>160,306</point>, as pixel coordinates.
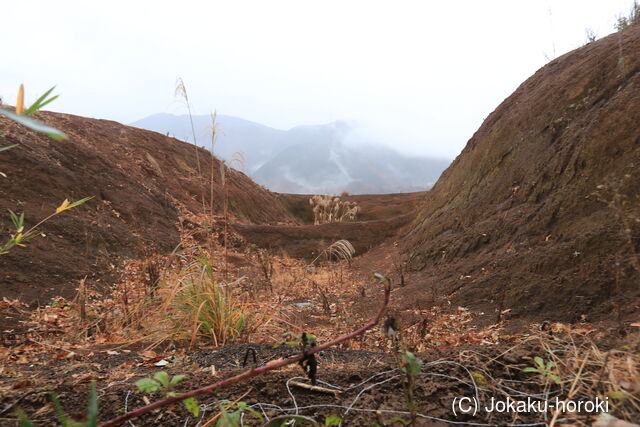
<point>540,213</point>
<point>141,181</point>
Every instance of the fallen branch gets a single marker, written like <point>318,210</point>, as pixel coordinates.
<point>315,388</point>
<point>274,364</point>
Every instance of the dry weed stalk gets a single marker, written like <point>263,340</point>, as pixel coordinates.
<point>81,299</point>
<point>398,266</point>
<point>266,265</point>
<point>181,91</point>
<point>214,134</point>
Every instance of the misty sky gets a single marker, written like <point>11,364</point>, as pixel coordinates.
<point>419,75</point>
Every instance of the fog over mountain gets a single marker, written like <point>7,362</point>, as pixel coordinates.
<point>328,158</point>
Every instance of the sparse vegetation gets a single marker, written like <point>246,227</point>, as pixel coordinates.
<point>266,264</point>
<point>64,420</point>
<point>544,370</point>
<point>408,363</point>
<point>21,236</point>
<point>162,382</point>
<point>169,308</point>
<point>591,35</point>
<point>304,359</point>
<point>331,209</point>
<point>633,18</point>
<point>204,307</point>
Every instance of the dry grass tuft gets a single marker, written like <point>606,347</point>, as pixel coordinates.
<point>331,209</point>
<point>204,308</point>
<point>341,249</point>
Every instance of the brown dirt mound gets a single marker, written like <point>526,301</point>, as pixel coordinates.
<point>542,208</point>
<point>141,182</point>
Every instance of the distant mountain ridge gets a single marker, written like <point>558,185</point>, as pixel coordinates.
<point>329,158</point>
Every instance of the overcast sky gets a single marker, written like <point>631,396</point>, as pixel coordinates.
<point>422,75</point>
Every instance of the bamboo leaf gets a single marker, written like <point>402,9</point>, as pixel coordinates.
<point>35,125</point>
<point>63,206</point>
<point>53,98</point>
<point>14,219</point>
<point>79,202</point>
<point>20,100</point>
<point>39,102</point>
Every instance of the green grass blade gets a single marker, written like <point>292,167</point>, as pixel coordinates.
<point>62,416</point>
<point>8,147</point>
<point>23,419</point>
<point>92,410</point>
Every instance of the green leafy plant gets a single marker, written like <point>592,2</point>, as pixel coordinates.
<point>63,418</point>
<point>332,420</point>
<point>231,414</point>
<point>21,237</point>
<point>161,382</point>
<point>544,370</point>
<point>20,115</point>
<point>410,365</point>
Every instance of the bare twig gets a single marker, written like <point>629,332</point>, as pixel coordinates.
<point>315,388</point>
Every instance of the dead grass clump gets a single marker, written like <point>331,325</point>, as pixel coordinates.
<point>566,364</point>
<point>340,249</point>
<point>331,209</point>
<point>587,371</point>
<point>202,307</point>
